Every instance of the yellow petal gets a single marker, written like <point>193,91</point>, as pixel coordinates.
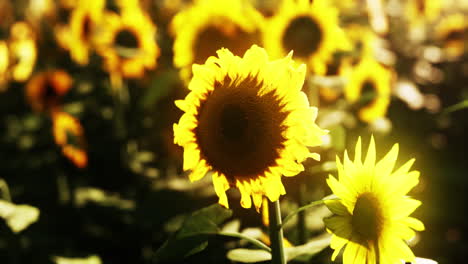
<point>221,185</point>
<point>385,166</point>
<point>370,158</point>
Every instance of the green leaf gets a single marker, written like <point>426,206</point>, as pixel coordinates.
<point>309,249</point>
<point>160,87</point>
<point>88,260</point>
<point>193,235</point>
<point>307,206</point>
<point>18,217</point>
<point>254,241</point>
<point>245,255</point>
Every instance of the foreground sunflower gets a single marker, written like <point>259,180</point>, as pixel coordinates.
<point>68,133</point>
<point>311,30</point>
<point>369,87</point>
<point>127,42</point>
<point>45,90</point>
<point>209,25</point>
<point>372,216</point>
<point>247,120</point>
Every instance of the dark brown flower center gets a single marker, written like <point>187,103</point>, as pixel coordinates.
<point>239,131</point>
<point>126,38</point>
<point>367,219</point>
<point>212,38</point>
<point>368,94</point>
<point>86,28</point>
<point>303,35</point>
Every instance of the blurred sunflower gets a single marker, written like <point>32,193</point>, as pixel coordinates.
<point>372,216</point>
<point>83,21</point>
<point>127,42</point>
<point>363,40</point>
<point>68,133</point>
<point>311,30</point>
<point>452,32</point>
<point>247,120</point>
<point>22,46</point>
<point>45,89</point>
<point>421,11</point>
<point>209,25</point>
<point>4,62</point>
<point>369,86</point>
<point>331,91</point>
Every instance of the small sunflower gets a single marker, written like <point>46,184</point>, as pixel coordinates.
<point>247,120</point>
<point>68,134</point>
<point>363,40</point>
<point>45,89</point>
<point>127,42</point>
<point>311,30</point>
<point>4,62</point>
<point>420,11</point>
<point>372,216</point>
<point>209,25</point>
<point>23,51</point>
<point>369,85</point>
<point>452,32</point>
<point>83,21</point>
<point>330,92</point>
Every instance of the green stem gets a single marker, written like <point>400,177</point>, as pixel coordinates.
<point>301,228</point>
<point>276,233</point>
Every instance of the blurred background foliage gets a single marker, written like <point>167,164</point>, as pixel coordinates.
<point>89,171</point>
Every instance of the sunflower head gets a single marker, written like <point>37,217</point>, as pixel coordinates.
<point>248,122</point>
<point>311,30</point>
<point>45,89</point>
<point>452,33</point>
<point>369,88</point>
<point>208,25</point>
<point>419,11</point>
<point>22,48</point>
<point>68,134</point>
<point>4,62</point>
<point>372,215</point>
<point>83,21</point>
<point>127,43</point>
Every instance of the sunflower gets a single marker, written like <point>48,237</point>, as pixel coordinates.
<point>209,25</point>
<point>127,43</point>
<point>68,134</point>
<point>4,62</point>
<point>420,11</point>
<point>83,21</point>
<point>369,88</point>
<point>363,40</point>
<point>331,91</point>
<point>22,48</point>
<point>311,30</point>
<point>452,31</point>
<point>247,121</point>
<point>45,89</point>
<point>372,216</point>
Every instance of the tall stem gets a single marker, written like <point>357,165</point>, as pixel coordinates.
<point>276,234</point>
<point>301,228</point>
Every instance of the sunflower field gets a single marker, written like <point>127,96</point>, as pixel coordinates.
<point>233,131</point>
